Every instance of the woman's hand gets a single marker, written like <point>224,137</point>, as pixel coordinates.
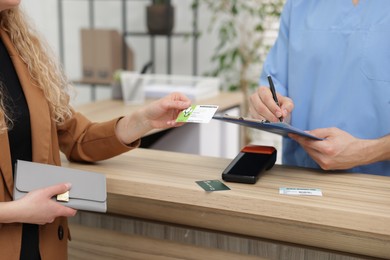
<point>37,207</point>
<point>160,114</point>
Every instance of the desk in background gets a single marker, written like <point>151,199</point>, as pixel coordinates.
<point>152,195</point>
<point>213,139</point>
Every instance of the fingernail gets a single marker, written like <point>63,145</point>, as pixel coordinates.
<point>278,114</point>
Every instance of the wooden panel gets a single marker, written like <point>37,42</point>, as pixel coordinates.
<point>92,243</point>
<point>228,242</point>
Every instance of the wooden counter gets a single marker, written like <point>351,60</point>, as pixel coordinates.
<point>352,216</point>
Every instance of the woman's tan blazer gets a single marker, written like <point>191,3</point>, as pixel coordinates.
<point>78,139</point>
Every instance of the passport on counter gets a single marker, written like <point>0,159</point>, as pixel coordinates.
<point>280,128</point>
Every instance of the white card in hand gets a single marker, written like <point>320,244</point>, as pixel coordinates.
<point>197,114</point>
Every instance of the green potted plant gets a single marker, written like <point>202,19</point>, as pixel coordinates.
<point>241,48</point>
<point>160,17</point>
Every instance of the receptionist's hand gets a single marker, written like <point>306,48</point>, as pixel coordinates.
<point>262,105</point>
<point>339,150</point>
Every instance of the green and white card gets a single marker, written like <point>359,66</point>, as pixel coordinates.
<point>197,114</point>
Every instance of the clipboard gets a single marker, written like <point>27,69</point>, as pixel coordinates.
<point>280,128</point>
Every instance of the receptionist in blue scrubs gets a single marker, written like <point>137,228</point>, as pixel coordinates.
<point>331,69</point>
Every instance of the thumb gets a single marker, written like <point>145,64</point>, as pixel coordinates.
<point>57,189</point>
<point>320,132</point>
<point>179,105</point>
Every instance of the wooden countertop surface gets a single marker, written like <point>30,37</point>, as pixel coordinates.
<point>353,215</point>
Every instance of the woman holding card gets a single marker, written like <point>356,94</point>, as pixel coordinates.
<point>36,122</point>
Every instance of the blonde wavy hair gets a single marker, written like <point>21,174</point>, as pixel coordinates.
<point>45,71</point>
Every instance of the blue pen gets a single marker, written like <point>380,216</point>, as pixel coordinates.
<point>272,87</point>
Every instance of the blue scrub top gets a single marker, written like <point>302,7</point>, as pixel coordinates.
<point>333,59</point>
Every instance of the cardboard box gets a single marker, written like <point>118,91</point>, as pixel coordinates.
<point>87,54</point>
<point>102,51</point>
